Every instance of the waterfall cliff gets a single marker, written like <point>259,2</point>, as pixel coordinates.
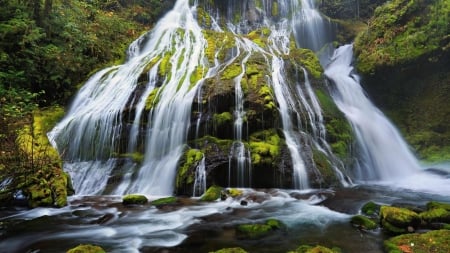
<point>216,93</point>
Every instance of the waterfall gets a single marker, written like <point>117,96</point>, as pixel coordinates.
<point>91,131</point>
<point>383,154</point>
<point>130,125</point>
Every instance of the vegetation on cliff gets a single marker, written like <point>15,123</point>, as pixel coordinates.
<point>402,31</point>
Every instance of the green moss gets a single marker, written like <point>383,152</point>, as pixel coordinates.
<point>275,11</point>
<point>325,168</point>
<point>232,71</point>
<point>39,195</point>
<point>307,59</point>
<point>86,248</point>
<point>363,222</point>
<point>397,220</point>
<point>223,118</point>
<point>134,199</point>
<point>436,215</point>
<point>265,147</point>
<point>198,74</point>
<point>233,192</point>
<point>165,64</point>
<point>370,208</point>
<point>230,250</point>
<point>433,241</point>
<point>152,99</point>
<point>213,193</point>
<point>185,173</point>
<point>255,231</point>
<point>136,156</point>
<point>164,201</point>
<point>259,36</point>
<point>315,249</point>
<point>203,17</point>
<point>400,31</point>
<point>436,212</point>
<point>435,204</point>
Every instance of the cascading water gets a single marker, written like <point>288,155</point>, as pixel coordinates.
<point>383,154</point>
<point>158,105</point>
<point>91,130</point>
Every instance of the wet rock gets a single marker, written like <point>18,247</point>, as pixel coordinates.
<point>104,219</point>
<point>244,203</point>
<point>134,199</point>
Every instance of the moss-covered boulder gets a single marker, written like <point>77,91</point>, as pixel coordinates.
<point>165,201</point>
<point>213,193</point>
<point>315,249</point>
<point>371,208</point>
<point>398,220</point>
<point>230,250</point>
<point>363,222</point>
<point>436,213</point>
<point>86,248</point>
<point>186,170</point>
<point>258,230</point>
<point>432,241</point>
<point>134,199</point>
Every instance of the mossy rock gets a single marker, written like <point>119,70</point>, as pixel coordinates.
<point>315,249</point>
<point>230,250</point>
<point>256,231</point>
<point>433,241</point>
<point>134,199</point>
<point>186,172</point>
<point>435,204</point>
<point>233,192</point>
<point>397,220</point>
<point>363,222</point>
<point>265,147</point>
<point>39,195</point>
<point>164,201</point>
<point>402,31</point>
<point>370,208</point>
<point>86,248</point>
<point>436,212</point>
<point>213,193</point>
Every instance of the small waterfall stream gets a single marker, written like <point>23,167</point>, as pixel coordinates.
<point>383,154</point>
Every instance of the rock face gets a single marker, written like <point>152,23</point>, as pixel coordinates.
<point>403,56</point>
<point>268,161</point>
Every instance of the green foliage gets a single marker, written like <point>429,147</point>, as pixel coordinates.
<point>52,48</point>
<point>401,31</point>
<point>222,118</point>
